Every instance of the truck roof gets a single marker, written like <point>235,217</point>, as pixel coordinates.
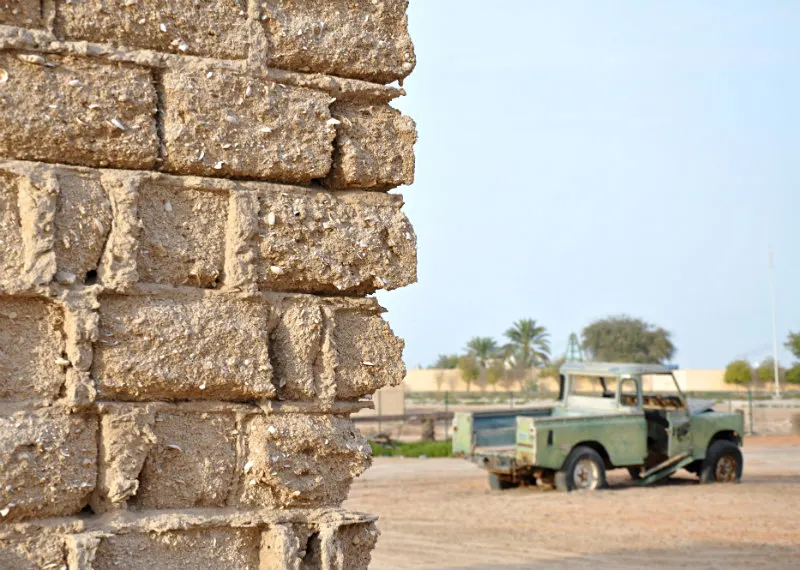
<point>614,368</point>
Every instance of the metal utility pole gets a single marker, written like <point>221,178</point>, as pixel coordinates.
<point>774,327</point>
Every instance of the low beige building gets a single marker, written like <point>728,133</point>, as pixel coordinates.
<point>689,380</point>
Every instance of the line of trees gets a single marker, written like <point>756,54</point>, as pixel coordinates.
<point>741,371</point>
<point>614,339</point>
<point>487,362</point>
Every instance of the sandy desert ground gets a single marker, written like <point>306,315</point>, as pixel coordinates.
<point>440,514</point>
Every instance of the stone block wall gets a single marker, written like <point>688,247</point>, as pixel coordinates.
<point>193,216</point>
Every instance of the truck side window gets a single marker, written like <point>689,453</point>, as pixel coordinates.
<point>628,389</point>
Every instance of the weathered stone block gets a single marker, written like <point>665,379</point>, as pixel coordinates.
<point>333,350</point>
<point>368,354</point>
<point>182,240</point>
<point>48,463</point>
<point>296,345</point>
<point>356,542</point>
<point>74,111</point>
<point>28,549</point>
<point>23,13</point>
<point>11,243</point>
<point>224,124</point>
<point>126,438</point>
<point>192,462</point>
<point>301,460</point>
<point>82,223</point>
<point>363,39</point>
<point>183,344</point>
<point>53,224</point>
<point>209,549</point>
<point>374,147</point>
<point>213,28</point>
<point>316,547</point>
<point>322,242</point>
<point>32,364</point>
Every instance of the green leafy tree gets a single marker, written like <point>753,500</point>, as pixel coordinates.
<point>738,372</point>
<point>446,361</point>
<point>483,349</point>
<point>470,370</point>
<point>494,374</point>
<point>793,374</point>
<point>793,344</point>
<point>626,339</point>
<point>766,371</point>
<point>529,344</point>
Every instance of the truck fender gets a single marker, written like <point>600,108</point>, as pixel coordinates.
<point>598,447</point>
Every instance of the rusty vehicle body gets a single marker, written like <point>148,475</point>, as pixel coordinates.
<point>604,419</point>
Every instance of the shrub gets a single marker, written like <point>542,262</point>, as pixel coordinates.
<point>793,374</point>
<point>738,372</point>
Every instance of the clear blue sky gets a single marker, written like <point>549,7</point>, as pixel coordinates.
<point>578,159</point>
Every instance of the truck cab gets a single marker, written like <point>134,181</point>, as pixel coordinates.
<point>608,416</point>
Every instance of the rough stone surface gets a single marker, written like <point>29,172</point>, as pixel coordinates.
<point>365,39</point>
<point>75,111</point>
<point>209,549</point>
<point>225,124</point>
<point>23,13</point>
<point>192,462</point>
<point>11,244</point>
<point>323,242</point>
<point>302,461</point>
<point>368,355</point>
<point>32,349</point>
<point>183,235</point>
<point>54,222</point>
<point>126,438</point>
<point>82,224</point>
<point>212,28</point>
<point>357,542</point>
<point>48,463</point>
<point>31,549</point>
<point>374,147</point>
<point>297,343</point>
<point>187,344</point>
<point>182,457</point>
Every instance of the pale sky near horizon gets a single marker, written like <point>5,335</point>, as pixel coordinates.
<point>578,159</point>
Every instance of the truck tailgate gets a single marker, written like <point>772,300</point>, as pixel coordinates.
<point>494,430</point>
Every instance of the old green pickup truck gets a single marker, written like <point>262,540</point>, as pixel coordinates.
<point>608,416</point>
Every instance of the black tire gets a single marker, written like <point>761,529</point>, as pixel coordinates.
<point>581,458</point>
<point>635,473</point>
<point>723,463</point>
<point>498,483</point>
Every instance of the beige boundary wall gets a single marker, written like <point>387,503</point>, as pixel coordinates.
<point>689,380</point>
<point>193,210</point>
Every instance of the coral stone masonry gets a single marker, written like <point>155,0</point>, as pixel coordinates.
<point>194,212</point>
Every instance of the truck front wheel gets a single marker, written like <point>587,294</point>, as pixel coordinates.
<point>723,464</point>
<point>584,470</point>
<point>498,483</point>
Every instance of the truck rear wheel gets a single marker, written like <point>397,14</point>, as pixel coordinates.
<point>498,483</point>
<point>584,470</point>
<point>723,464</point>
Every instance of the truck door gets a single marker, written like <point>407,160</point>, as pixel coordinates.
<point>680,421</point>
<point>680,440</point>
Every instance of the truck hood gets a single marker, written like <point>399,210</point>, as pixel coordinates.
<point>697,406</point>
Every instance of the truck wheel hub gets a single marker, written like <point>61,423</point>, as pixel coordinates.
<point>586,475</point>
<point>726,469</point>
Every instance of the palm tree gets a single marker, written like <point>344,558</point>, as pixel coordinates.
<point>483,349</point>
<point>529,343</point>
